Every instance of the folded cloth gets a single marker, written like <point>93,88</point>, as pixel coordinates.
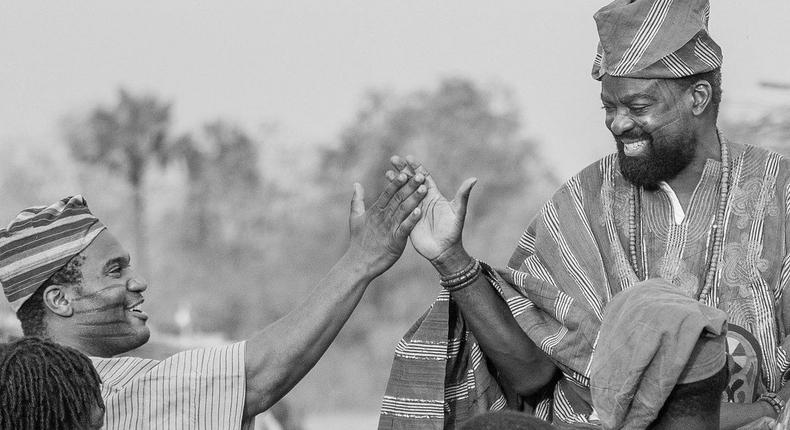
<point>654,39</point>
<point>652,337</point>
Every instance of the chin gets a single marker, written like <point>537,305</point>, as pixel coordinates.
<point>142,337</point>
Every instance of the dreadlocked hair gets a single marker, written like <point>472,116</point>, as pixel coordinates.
<point>31,313</point>
<point>44,385</point>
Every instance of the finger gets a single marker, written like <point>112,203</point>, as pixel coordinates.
<point>358,200</point>
<point>461,199</point>
<point>416,166</point>
<point>390,175</point>
<point>410,203</point>
<point>404,192</point>
<point>404,229</point>
<point>392,187</point>
<point>401,164</point>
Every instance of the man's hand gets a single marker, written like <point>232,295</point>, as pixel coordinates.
<point>438,235</point>
<point>279,355</point>
<point>379,234</point>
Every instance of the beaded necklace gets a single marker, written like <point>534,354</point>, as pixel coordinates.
<point>718,228</point>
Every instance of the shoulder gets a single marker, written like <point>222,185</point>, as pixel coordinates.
<point>759,160</point>
<point>120,371</point>
<point>592,177</point>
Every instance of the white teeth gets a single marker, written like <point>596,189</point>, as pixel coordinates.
<point>635,148</point>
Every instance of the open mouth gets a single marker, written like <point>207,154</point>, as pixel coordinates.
<point>137,311</point>
<point>634,148</point>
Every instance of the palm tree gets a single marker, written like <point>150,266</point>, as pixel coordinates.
<point>125,138</point>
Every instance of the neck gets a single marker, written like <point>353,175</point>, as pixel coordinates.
<point>708,147</point>
<point>64,335</point>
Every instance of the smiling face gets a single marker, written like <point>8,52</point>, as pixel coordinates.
<point>653,126</point>
<point>105,306</point>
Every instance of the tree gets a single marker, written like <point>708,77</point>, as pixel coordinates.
<point>125,138</point>
<point>222,167</point>
<point>459,127</point>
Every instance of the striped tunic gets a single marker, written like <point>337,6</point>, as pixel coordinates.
<point>192,390</point>
<point>574,257</point>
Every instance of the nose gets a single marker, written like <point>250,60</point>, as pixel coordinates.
<point>137,285</point>
<point>621,123</point>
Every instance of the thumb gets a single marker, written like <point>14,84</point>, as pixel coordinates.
<point>358,200</point>
<point>461,198</point>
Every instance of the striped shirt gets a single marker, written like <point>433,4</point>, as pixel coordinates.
<point>196,389</point>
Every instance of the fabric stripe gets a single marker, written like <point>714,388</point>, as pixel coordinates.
<point>569,260</point>
<point>706,54</point>
<point>677,66</point>
<point>643,37</point>
<point>198,389</point>
<point>421,350</point>
<point>412,408</point>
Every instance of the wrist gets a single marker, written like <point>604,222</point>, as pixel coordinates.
<point>772,404</point>
<point>452,260</point>
<point>359,265</point>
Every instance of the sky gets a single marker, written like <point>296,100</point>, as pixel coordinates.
<point>305,65</point>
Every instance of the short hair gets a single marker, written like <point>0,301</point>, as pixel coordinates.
<point>506,420</point>
<point>31,313</point>
<point>714,79</point>
<point>696,398</point>
<point>44,385</point>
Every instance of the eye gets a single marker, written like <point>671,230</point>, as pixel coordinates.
<point>639,109</point>
<point>116,270</point>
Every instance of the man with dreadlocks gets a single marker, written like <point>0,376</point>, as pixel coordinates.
<point>69,279</point>
<point>677,204</point>
<point>44,385</point>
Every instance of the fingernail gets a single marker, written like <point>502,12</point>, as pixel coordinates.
<point>419,177</point>
<point>421,189</point>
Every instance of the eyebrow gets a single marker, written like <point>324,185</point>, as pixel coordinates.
<point>630,98</point>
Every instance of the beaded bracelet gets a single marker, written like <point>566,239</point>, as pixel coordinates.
<point>774,400</point>
<point>453,276</point>
<point>463,278</point>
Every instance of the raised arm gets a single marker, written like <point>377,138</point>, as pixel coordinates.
<point>438,238</point>
<point>282,353</point>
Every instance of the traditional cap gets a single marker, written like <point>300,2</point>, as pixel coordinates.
<point>652,337</point>
<point>40,241</point>
<point>654,39</point>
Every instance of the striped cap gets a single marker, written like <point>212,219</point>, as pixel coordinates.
<point>655,39</point>
<point>41,240</point>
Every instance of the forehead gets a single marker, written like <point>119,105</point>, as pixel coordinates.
<point>621,89</point>
<point>104,248</point>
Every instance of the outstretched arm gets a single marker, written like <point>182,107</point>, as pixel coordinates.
<point>438,238</point>
<point>281,354</point>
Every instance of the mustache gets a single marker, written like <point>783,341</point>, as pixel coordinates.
<point>631,136</point>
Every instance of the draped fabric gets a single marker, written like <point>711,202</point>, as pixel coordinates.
<point>574,257</point>
<point>196,389</point>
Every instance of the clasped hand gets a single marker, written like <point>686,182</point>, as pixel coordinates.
<point>380,232</point>
<point>438,234</point>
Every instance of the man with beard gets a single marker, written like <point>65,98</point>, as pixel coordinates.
<point>69,279</point>
<point>678,205</point>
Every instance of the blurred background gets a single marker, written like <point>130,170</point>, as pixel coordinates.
<point>220,140</point>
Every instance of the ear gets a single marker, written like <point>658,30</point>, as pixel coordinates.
<point>56,300</point>
<point>702,93</point>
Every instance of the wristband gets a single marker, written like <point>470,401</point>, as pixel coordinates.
<point>774,400</point>
<point>462,279</point>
